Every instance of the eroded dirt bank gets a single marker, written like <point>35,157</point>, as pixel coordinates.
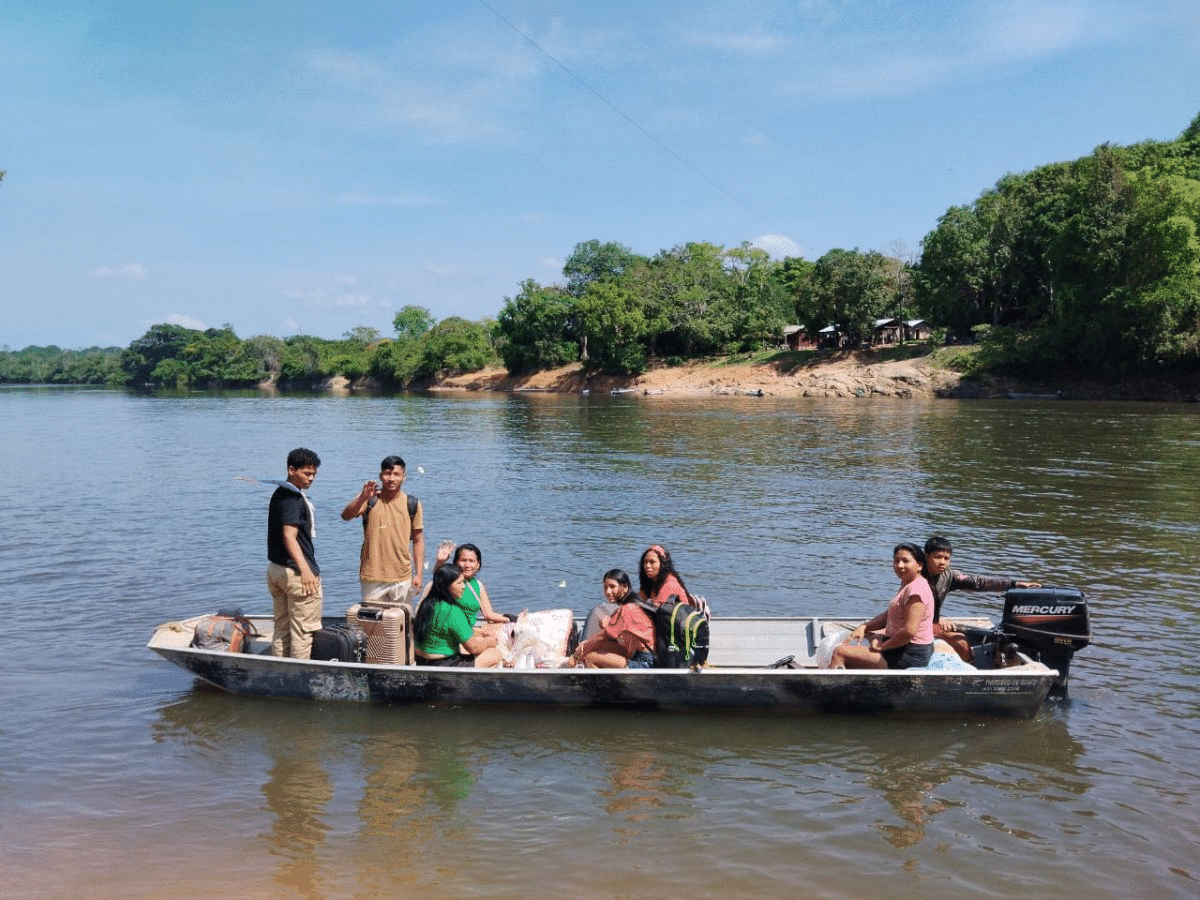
<point>852,374</point>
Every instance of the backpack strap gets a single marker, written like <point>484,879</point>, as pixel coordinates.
<point>412,510</point>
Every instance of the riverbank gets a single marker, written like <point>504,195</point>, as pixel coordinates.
<point>849,374</point>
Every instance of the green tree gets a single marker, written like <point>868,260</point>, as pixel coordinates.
<point>263,355</point>
<point>411,322</point>
<point>761,307</point>
<point>593,261</point>
<point>212,359</point>
<point>160,342</point>
<point>302,364</point>
<point>363,334</point>
<point>614,325</point>
<point>453,346</point>
<point>535,328</point>
<point>851,290</point>
<point>395,363</point>
<point>687,298</point>
<point>171,373</point>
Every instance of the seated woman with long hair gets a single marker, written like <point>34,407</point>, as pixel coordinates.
<point>625,638</point>
<point>469,560</point>
<point>907,638</point>
<point>657,577</point>
<point>444,627</point>
<point>616,587</point>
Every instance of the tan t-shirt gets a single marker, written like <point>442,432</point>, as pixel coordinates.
<point>387,541</point>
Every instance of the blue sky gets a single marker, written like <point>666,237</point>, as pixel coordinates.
<point>290,167</point>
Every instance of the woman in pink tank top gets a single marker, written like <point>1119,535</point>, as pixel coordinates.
<point>906,640</point>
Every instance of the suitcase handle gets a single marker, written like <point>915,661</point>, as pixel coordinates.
<point>367,612</point>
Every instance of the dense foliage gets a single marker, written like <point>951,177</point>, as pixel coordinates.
<point>173,356</point>
<point>1088,266</point>
<point>618,310</point>
<point>1084,266</point>
<point>53,365</point>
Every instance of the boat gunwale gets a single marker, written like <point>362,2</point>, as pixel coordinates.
<point>1030,668</point>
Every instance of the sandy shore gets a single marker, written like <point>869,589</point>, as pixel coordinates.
<point>843,375</point>
<point>850,374</point>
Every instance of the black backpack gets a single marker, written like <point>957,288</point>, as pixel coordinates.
<point>680,633</point>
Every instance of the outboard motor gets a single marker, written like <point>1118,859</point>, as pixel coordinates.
<point>1048,625</point>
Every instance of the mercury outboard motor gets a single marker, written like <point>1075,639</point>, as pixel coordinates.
<point>1048,625</point>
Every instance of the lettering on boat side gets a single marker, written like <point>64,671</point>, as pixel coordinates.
<point>1030,610</point>
<point>1001,686</point>
<point>404,680</point>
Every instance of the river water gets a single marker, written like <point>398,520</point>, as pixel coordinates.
<point>124,778</point>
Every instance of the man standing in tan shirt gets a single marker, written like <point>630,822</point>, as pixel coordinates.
<point>392,522</point>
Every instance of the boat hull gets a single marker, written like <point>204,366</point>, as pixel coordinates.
<point>1016,691</point>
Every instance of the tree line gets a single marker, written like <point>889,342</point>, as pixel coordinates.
<point>1084,266</point>
<point>1090,266</point>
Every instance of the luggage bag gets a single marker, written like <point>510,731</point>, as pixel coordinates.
<point>388,628</point>
<point>339,642</point>
<point>228,630</point>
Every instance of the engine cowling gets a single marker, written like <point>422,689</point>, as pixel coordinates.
<point>1049,624</point>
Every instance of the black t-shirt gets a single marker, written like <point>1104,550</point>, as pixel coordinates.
<point>289,508</point>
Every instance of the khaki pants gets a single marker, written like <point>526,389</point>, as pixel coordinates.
<point>386,592</point>
<point>296,616</point>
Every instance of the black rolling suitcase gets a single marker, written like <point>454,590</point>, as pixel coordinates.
<point>340,643</point>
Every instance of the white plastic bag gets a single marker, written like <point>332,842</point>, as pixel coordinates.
<point>833,637</point>
<point>538,638</point>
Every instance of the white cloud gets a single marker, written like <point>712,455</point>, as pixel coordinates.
<point>1023,30</point>
<point>135,271</point>
<point>550,262</point>
<point>319,299</point>
<point>917,55</point>
<point>758,42</point>
<point>186,321</point>
<point>442,84</point>
<point>439,270</point>
<point>779,246</point>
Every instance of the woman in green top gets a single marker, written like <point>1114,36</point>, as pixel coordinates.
<point>445,626</point>
<point>469,560</point>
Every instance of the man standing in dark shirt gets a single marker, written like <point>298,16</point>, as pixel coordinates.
<point>293,576</point>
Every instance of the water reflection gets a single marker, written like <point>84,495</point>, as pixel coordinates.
<point>908,789</point>
<point>769,506</point>
<point>635,785</point>
<point>297,792</point>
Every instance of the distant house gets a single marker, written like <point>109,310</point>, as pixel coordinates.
<point>793,337</point>
<point>829,337</point>
<point>887,331</point>
<point>894,330</point>
<point>917,330</point>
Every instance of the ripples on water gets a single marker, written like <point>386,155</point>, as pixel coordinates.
<point>124,779</point>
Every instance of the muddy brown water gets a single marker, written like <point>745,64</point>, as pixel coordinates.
<point>124,778</point>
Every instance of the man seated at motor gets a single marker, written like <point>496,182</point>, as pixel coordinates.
<point>942,580</point>
<point>625,638</point>
<point>444,628</point>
